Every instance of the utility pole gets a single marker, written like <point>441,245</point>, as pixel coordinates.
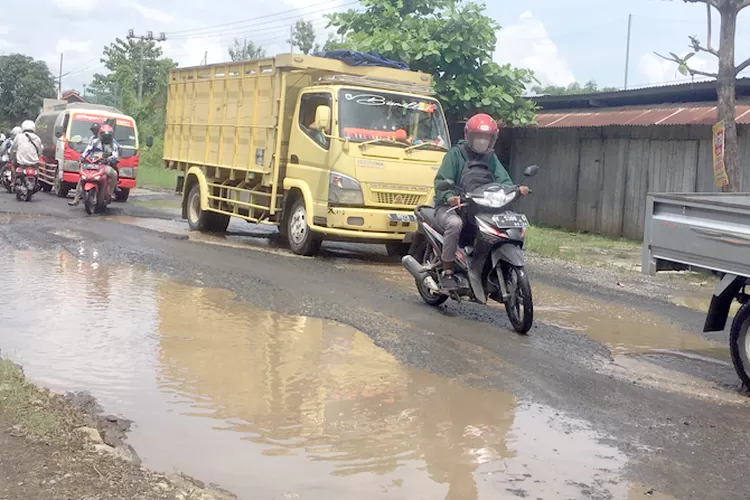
<point>205,58</point>
<point>59,78</point>
<point>141,43</point>
<point>627,51</point>
<point>291,39</point>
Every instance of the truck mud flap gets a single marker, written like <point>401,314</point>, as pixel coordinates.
<point>718,311</point>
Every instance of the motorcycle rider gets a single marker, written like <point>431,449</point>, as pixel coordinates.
<point>26,148</point>
<point>5,148</point>
<point>110,151</point>
<point>470,164</point>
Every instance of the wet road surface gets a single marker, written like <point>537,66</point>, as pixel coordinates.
<point>277,376</point>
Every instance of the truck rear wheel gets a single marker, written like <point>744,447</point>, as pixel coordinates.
<point>302,240</point>
<point>201,220</point>
<point>122,194</point>
<point>739,344</point>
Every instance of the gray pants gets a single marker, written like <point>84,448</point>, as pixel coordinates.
<point>452,225</point>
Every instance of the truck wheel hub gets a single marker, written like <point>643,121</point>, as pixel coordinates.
<point>298,227</point>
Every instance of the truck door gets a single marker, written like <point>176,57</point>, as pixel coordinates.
<point>309,149</point>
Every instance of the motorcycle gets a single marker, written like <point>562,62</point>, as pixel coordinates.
<point>96,195</point>
<point>6,175</point>
<point>490,265</point>
<point>27,182</point>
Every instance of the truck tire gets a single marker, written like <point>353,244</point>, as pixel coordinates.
<point>122,194</point>
<point>739,344</point>
<point>200,220</point>
<point>301,239</point>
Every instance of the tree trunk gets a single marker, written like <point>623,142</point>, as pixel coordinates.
<point>726,95</point>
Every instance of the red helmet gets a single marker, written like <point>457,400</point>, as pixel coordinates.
<point>481,133</point>
<point>105,134</point>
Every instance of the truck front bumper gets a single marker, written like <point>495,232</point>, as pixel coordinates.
<point>365,224</point>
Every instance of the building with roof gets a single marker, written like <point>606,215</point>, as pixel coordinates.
<point>602,153</point>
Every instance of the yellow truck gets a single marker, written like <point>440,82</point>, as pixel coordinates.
<point>324,150</point>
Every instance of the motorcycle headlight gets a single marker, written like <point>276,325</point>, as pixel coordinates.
<point>494,199</point>
<point>343,190</point>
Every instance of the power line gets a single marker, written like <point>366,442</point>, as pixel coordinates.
<point>259,18</point>
<point>268,25</point>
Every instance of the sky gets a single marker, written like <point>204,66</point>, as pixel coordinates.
<point>562,41</point>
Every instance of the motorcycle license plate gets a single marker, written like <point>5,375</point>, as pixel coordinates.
<point>402,217</point>
<point>510,220</point>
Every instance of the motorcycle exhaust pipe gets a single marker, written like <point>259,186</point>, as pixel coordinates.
<point>415,268</point>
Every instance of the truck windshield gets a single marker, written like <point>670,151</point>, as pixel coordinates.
<point>80,134</point>
<point>398,120</point>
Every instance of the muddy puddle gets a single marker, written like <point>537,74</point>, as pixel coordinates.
<point>273,406</point>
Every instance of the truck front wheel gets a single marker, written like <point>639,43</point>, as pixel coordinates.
<point>302,240</point>
<point>739,343</point>
<point>201,220</point>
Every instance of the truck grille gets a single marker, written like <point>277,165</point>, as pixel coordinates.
<point>410,200</point>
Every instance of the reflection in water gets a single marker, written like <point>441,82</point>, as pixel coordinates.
<point>267,405</point>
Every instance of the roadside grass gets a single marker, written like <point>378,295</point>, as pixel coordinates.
<point>584,248</point>
<point>34,411</point>
<point>156,175</point>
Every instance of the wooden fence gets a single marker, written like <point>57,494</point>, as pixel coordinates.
<point>596,179</point>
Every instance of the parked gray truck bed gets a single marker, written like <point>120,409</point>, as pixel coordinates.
<point>706,230</point>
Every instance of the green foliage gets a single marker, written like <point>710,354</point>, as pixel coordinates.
<point>24,84</point>
<point>303,37</point>
<point>453,41</point>
<point>246,50</point>
<point>574,88</point>
<point>119,87</point>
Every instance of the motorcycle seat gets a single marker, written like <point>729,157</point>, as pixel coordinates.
<point>429,215</point>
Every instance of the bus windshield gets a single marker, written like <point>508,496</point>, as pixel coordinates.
<point>398,120</point>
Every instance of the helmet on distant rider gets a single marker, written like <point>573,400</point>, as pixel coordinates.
<point>481,133</point>
<point>15,132</point>
<point>2,138</point>
<point>95,128</point>
<point>105,134</point>
<point>28,126</point>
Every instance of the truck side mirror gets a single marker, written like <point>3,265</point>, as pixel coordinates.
<point>150,141</point>
<point>323,118</point>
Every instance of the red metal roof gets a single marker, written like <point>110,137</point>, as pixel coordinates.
<point>685,114</point>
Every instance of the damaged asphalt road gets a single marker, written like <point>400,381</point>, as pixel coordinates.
<point>662,419</point>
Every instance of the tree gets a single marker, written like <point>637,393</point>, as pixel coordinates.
<point>303,37</point>
<point>725,78</point>
<point>574,88</point>
<point>451,40</point>
<point>246,50</point>
<point>119,87</point>
<point>24,84</point>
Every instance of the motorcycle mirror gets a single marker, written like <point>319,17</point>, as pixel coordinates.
<point>531,171</point>
<point>445,184</point>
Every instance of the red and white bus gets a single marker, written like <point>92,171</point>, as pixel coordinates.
<point>65,132</point>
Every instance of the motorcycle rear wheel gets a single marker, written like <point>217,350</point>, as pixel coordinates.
<point>89,201</point>
<point>430,298</point>
<point>520,304</point>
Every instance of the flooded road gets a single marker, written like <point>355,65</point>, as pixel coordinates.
<point>275,406</point>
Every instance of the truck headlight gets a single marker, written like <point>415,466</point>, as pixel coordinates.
<point>128,172</point>
<point>344,190</point>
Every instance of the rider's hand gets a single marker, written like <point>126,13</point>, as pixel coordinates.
<point>524,190</point>
<point>454,201</point>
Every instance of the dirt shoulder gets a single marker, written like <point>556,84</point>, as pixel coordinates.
<point>55,447</point>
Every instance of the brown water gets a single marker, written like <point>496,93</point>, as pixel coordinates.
<point>273,406</point>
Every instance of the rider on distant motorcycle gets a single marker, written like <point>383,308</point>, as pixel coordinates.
<point>110,151</point>
<point>470,164</point>
<point>6,145</point>
<point>27,146</point>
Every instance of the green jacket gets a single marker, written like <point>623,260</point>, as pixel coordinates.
<point>453,166</point>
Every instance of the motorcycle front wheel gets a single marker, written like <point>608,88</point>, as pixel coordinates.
<point>520,305</point>
<point>89,201</point>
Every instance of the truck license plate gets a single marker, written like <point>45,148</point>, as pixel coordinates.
<point>402,217</point>
<point>511,220</point>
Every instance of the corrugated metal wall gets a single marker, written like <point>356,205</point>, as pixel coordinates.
<point>596,179</point>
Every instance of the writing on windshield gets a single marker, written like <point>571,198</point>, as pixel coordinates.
<point>399,120</point>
